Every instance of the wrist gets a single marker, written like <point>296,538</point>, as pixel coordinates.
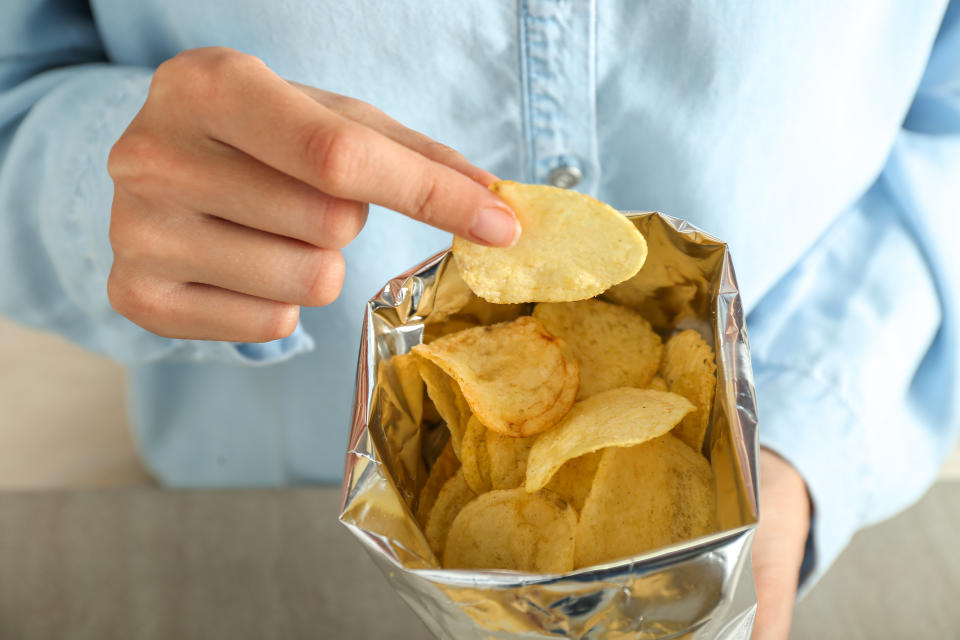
<point>784,500</point>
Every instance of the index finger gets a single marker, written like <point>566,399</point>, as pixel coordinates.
<point>291,132</point>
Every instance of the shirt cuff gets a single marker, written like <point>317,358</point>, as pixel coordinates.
<point>805,421</point>
<point>245,353</point>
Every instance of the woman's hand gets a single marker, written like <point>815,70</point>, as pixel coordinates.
<point>235,191</point>
<point>779,544</point>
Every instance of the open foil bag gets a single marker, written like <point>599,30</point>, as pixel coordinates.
<point>682,591</point>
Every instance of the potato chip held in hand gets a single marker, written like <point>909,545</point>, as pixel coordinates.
<point>615,418</point>
<point>572,247</point>
<point>514,530</point>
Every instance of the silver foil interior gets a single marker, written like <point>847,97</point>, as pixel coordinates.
<point>683,591</point>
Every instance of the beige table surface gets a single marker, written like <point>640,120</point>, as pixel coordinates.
<point>81,558</point>
<point>152,564</point>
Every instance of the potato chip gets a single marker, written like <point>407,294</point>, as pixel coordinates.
<point>573,480</point>
<point>446,397</point>
<point>615,418</point>
<point>515,530</point>
<point>453,324</point>
<point>458,430</point>
<point>689,368</point>
<point>572,247</point>
<point>442,470</point>
<point>488,313</point>
<point>514,375</point>
<point>644,497</point>
<point>473,457</point>
<point>508,459</point>
<point>615,346</point>
<point>453,496</point>
<point>659,384</point>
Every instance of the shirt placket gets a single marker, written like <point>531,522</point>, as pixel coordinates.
<point>558,39</point>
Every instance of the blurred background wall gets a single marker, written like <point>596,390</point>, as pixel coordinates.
<point>62,420</point>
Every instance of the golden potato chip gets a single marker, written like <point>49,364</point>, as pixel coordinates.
<point>659,384</point>
<point>573,480</point>
<point>473,457</point>
<point>615,346</point>
<point>442,470</point>
<point>488,313</point>
<point>514,376</point>
<point>515,530</point>
<point>615,418</point>
<point>446,397</point>
<point>508,459</point>
<point>453,324</point>
<point>645,497</point>
<point>572,247</point>
<point>454,494</point>
<point>689,368</point>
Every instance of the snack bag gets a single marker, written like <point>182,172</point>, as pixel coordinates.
<point>583,466</point>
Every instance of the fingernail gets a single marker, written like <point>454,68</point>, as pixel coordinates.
<point>495,227</point>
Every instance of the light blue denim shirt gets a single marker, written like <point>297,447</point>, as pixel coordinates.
<point>820,140</point>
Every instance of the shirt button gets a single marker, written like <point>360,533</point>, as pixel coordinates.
<point>565,177</point>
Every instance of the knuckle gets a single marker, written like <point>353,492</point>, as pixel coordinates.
<point>143,164</point>
<point>339,222</point>
<point>322,277</point>
<point>196,76</point>
<point>362,110</point>
<point>128,155</point>
<point>166,78</point>
<point>150,240</point>
<point>117,291</point>
<point>280,322</point>
<point>176,76</point>
<point>336,156</point>
<point>134,299</point>
<point>424,207</point>
<point>121,229</point>
<point>223,62</point>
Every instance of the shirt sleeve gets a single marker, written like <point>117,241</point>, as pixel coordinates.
<point>856,349</point>
<point>62,106</point>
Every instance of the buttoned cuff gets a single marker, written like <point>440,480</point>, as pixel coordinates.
<point>807,423</point>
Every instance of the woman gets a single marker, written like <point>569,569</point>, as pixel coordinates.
<point>222,260</point>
